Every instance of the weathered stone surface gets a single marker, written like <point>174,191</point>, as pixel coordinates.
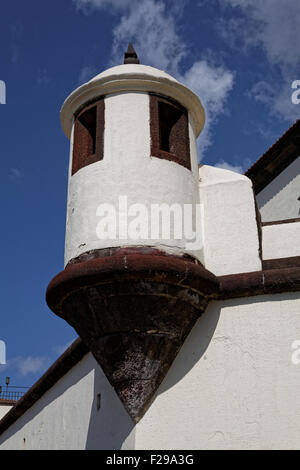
<point>133,319</point>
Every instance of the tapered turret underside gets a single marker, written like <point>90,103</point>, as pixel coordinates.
<point>133,309</point>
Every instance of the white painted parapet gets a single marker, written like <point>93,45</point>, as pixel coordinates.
<point>230,231</point>
<point>281,240</point>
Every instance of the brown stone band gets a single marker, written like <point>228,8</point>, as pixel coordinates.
<point>140,264</point>
<point>281,263</point>
<point>4,402</point>
<point>271,281</point>
<point>278,275</point>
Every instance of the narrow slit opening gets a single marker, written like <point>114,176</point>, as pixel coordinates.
<point>88,120</point>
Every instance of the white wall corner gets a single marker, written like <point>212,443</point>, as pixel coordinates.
<point>230,231</point>
<point>281,241</point>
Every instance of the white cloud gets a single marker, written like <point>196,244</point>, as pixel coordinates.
<point>264,92</point>
<point>15,174</point>
<point>88,5</point>
<point>32,365</point>
<point>277,96</point>
<point>277,26</point>
<point>213,85</point>
<point>29,365</point>
<point>273,25</point>
<point>153,29</point>
<point>16,30</point>
<point>154,34</point>
<point>87,73</point>
<point>14,54</point>
<point>62,348</point>
<point>227,166</point>
<point>43,78</point>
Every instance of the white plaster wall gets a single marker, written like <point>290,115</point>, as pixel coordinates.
<point>230,233</point>
<point>66,417</point>
<point>3,410</point>
<point>281,241</point>
<point>127,169</point>
<point>233,384</point>
<point>279,200</point>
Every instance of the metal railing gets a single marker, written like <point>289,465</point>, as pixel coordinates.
<point>6,393</point>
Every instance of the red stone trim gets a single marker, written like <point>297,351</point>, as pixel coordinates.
<point>182,136</point>
<point>79,159</point>
<point>130,264</point>
<point>240,285</point>
<point>282,263</point>
<point>271,281</point>
<point>279,222</point>
<point>63,364</point>
<point>4,402</point>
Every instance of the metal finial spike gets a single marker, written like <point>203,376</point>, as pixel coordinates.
<point>131,49</point>
<point>130,56</point>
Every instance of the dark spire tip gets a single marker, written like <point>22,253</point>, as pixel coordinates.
<point>130,56</point>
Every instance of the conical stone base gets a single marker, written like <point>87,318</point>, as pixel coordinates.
<point>135,364</point>
<point>133,310</point>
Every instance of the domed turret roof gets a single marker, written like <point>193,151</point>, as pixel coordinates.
<point>135,69</point>
<point>132,77</point>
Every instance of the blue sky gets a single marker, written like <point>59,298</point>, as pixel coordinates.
<point>240,56</point>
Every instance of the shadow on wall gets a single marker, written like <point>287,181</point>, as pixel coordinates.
<point>110,426</point>
<point>194,346</point>
<point>200,337</point>
<point>202,334</point>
